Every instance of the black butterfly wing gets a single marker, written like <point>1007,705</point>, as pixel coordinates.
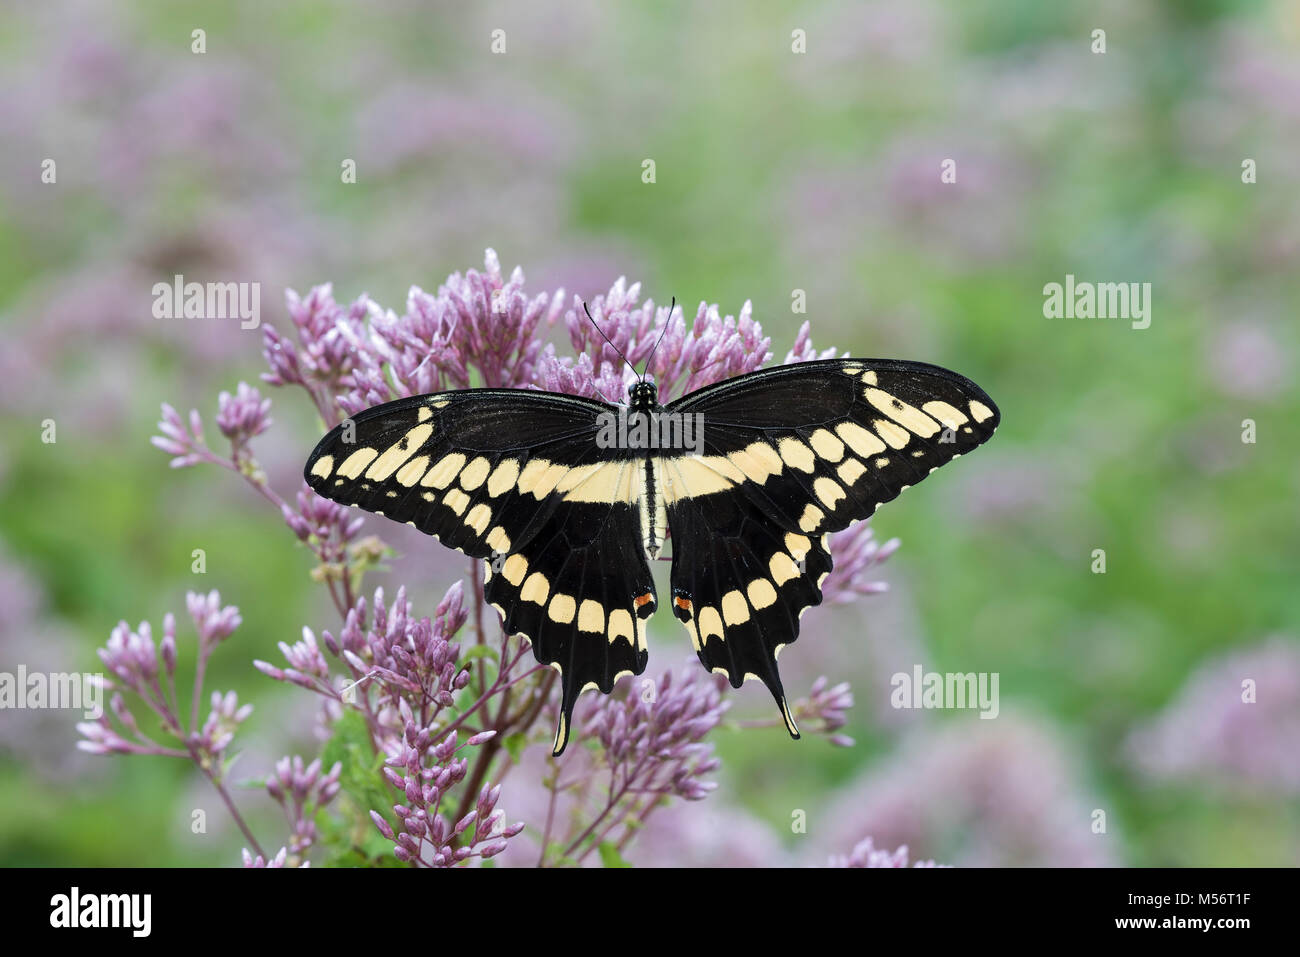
<point>516,478</point>
<point>790,454</point>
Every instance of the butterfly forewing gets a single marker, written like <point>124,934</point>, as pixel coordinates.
<point>790,454</point>
<point>517,479</point>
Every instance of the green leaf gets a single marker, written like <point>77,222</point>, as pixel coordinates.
<point>555,856</point>
<point>479,651</point>
<point>515,744</point>
<point>348,835</point>
<point>609,855</point>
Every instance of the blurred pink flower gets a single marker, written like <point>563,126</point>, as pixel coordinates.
<point>41,739</point>
<point>978,793</point>
<point>1248,360</point>
<point>1221,733</point>
<point>712,834</point>
<point>865,854</point>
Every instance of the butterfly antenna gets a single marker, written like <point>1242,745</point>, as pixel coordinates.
<point>606,338</point>
<point>667,322</point>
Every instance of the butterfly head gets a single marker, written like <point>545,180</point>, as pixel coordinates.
<point>643,395</point>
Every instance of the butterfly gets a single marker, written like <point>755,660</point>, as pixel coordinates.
<point>568,499</point>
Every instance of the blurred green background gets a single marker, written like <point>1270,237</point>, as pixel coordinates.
<point>775,171</point>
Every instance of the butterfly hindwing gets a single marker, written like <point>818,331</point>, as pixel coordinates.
<point>583,602</point>
<point>790,454</point>
<point>738,586</point>
<point>517,479</point>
